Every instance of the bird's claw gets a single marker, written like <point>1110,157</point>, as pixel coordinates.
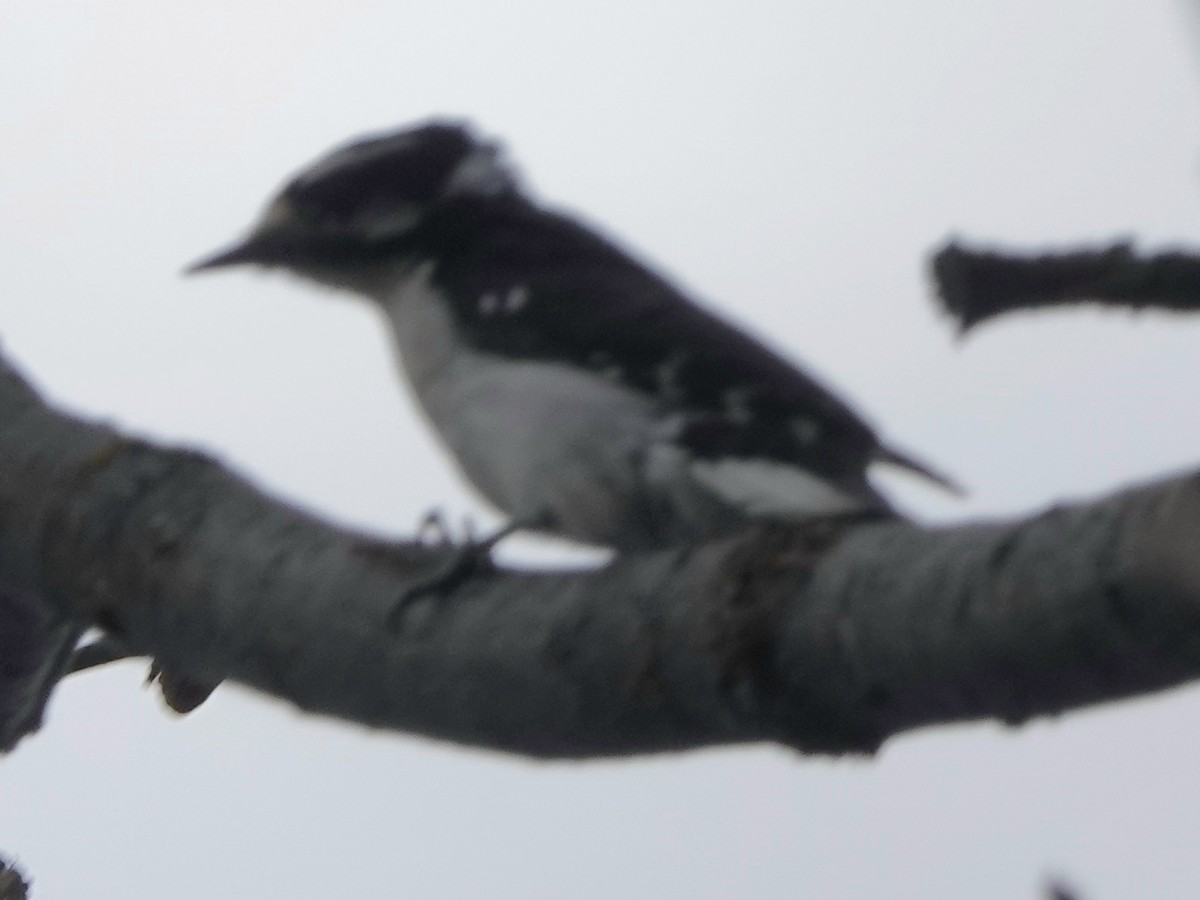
<point>465,562</point>
<point>472,558</point>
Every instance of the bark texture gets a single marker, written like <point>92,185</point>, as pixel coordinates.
<point>824,638</point>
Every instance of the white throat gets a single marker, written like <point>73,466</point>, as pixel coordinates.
<point>422,324</point>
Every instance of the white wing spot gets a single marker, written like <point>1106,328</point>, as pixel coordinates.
<point>489,304</point>
<point>516,298</point>
<point>806,430</point>
<point>737,406</point>
<point>667,375</point>
<point>603,365</point>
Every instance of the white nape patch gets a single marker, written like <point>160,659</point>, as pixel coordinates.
<point>482,173</point>
<point>762,488</point>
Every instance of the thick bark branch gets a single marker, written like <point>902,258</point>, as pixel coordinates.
<point>13,885</point>
<point>824,639</point>
<point>975,285</point>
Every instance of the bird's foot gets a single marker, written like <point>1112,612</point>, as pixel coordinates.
<point>474,557</point>
<point>433,531</point>
<point>464,563</point>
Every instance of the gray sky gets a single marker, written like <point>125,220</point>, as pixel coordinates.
<point>791,163</point>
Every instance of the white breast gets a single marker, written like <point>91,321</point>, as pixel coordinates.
<point>533,437</point>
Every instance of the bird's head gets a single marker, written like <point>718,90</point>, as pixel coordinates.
<point>360,202</point>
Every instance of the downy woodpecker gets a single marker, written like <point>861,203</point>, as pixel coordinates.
<point>581,393</point>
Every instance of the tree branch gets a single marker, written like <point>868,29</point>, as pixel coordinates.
<point>13,885</point>
<point>824,638</point>
<point>975,285</point>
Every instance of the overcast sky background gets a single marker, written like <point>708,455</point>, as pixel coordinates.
<point>792,163</point>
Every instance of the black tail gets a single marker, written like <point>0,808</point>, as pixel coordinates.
<point>904,461</point>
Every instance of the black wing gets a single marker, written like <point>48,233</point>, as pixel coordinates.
<point>537,285</point>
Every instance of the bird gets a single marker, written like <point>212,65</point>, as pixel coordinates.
<point>582,394</point>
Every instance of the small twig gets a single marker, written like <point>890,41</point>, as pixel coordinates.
<point>13,885</point>
<point>975,285</point>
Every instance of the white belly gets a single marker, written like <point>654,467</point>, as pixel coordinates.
<point>540,439</point>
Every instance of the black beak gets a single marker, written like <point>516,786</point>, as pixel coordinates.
<point>231,256</point>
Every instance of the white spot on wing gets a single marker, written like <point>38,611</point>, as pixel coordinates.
<point>489,304</point>
<point>603,365</point>
<point>763,488</point>
<point>737,406</point>
<point>516,298</point>
<point>668,428</point>
<point>806,430</point>
<point>667,376</point>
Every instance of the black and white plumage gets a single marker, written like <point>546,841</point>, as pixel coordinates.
<point>576,388</point>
